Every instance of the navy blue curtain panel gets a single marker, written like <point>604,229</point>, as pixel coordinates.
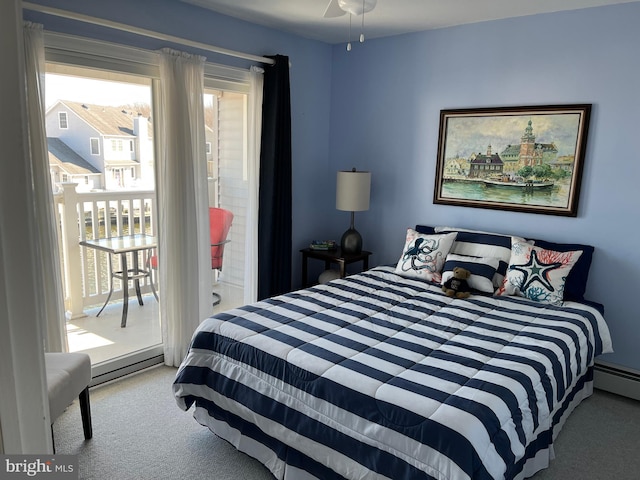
<point>274,211</point>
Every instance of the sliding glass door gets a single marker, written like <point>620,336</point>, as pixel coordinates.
<point>101,153</point>
<point>101,136</point>
<point>225,122</point>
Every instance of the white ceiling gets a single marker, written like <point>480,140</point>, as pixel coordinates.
<point>389,17</point>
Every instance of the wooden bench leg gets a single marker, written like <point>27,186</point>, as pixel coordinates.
<point>85,412</point>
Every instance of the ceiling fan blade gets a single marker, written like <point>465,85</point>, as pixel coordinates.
<point>333,10</point>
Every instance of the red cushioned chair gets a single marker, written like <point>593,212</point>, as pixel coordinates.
<point>219,224</point>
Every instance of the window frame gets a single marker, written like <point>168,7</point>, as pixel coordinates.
<point>95,151</point>
<point>61,116</point>
<point>113,57</point>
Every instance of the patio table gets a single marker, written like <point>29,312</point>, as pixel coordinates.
<point>121,246</point>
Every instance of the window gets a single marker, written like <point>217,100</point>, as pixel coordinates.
<point>62,120</point>
<point>131,145</point>
<point>95,146</point>
<point>208,148</point>
<point>116,145</point>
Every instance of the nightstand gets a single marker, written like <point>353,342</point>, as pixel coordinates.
<point>332,256</point>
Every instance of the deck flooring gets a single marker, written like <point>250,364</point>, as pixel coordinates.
<point>103,339</point>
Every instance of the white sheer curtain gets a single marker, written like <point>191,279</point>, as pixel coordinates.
<point>256,76</point>
<point>185,263</point>
<point>48,255</point>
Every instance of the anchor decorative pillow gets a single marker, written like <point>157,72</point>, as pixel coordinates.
<point>537,274</point>
<point>424,255</point>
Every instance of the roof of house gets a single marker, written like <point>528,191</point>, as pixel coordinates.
<point>484,159</point>
<point>107,120</point>
<point>563,160</point>
<point>512,150</point>
<point>61,155</point>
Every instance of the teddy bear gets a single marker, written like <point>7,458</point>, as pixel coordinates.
<point>457,285</point>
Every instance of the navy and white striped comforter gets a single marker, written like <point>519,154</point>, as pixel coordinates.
<point>378,376</point>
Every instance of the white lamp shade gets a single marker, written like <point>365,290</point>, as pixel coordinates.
<point>352,191</point>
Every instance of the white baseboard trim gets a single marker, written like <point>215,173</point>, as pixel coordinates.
<point>616,379</point>
<point>119,367</point>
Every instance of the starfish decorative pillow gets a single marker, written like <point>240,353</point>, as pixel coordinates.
<point>537,274</point>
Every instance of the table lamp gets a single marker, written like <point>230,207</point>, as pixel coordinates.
<point>352,195</point>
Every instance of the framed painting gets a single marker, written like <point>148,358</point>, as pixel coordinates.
<point>526,159</point>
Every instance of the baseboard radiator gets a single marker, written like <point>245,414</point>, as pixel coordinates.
<point>619,380</point>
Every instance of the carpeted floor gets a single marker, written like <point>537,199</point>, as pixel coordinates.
<point>139,433</point>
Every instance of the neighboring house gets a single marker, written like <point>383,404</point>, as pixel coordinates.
<point>116,142</point>
<point>67,166</point>
<point>211,147</point>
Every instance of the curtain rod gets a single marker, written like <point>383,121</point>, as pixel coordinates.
<point>141,31</point>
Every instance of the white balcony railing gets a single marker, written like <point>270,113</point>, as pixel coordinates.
<point>92,215</point>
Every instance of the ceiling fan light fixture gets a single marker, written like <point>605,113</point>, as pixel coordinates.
<point>337,8</point>
<point>362,28</point>
<point>357,7</point>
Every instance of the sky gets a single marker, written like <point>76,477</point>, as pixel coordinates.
<point>96,92</point>
<point>474,134</point>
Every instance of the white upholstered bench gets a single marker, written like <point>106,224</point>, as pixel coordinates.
<point>68,377</point>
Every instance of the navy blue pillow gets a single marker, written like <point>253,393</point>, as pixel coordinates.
<point>576,283</point>
<point>425,229</point>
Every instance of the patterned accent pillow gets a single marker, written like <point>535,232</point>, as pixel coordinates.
<point>538,274</point>
<point>576,283</point>
<point>423,256</point>
<point>482,270</point>
<point>477,243</point>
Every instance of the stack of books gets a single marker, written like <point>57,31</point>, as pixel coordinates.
<point>323,245</point>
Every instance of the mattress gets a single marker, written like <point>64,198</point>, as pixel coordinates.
<point>380,376</point>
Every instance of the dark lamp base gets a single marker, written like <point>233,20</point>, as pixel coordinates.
<point>351,242</point>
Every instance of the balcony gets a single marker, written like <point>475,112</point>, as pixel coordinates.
<point>86,276</point>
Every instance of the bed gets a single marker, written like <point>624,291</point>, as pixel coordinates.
<point>381,375</point>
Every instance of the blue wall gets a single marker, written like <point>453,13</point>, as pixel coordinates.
<point>387,95</point>
<point>377,108</point>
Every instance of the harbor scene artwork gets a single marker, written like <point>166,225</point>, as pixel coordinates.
<point>526,159</point>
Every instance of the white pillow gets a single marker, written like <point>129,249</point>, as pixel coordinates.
<point>538,274</point>
<point>477,243</point>
<point>423,255</point>
<point>482,270</point>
